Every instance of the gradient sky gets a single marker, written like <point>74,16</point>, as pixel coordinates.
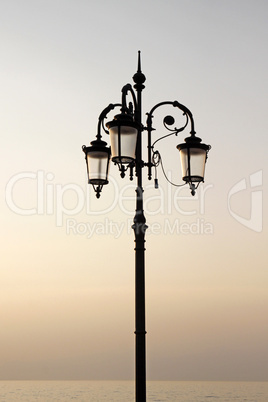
<point>67,259</point>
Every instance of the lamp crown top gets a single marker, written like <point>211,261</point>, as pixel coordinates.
<point>139,78</point>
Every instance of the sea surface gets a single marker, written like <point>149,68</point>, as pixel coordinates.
<point>115,391</point>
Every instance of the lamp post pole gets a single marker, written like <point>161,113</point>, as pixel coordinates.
<point>125,132</point>
<point>139,228</point>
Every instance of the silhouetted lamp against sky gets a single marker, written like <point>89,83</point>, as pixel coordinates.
<point>126,132</point>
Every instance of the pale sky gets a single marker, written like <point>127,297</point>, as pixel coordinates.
<point>67,259</point>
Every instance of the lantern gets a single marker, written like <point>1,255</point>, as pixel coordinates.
<point>193,158</point>
<point>97,159</point>
<point>123,132</point>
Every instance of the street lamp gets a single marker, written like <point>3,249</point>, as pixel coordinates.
<point>126,131</point>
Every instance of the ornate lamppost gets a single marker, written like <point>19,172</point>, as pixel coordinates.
<point>126,131</point>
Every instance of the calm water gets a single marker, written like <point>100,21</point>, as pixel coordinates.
<point>115,391</point>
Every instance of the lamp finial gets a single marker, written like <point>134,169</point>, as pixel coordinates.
<point>139,78</point>
<point>139,61</point>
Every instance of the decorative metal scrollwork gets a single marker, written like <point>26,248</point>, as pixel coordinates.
<point>154,157</point>
<point>169,121</point>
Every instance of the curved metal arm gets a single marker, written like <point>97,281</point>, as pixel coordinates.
<point>188,113</point>
<point>128,88</point>
<point>185,110</point>
<point>124,109</point>
<point>168,121</point>
<point>102,116</point>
